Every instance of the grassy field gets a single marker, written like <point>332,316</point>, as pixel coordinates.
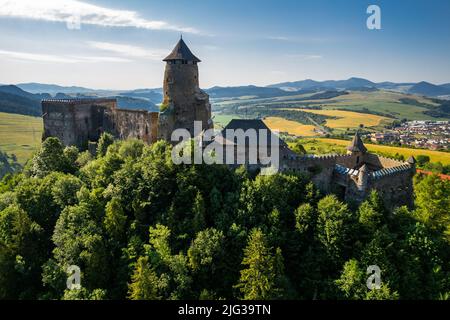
<point>20,135</point>
<point>293,127</point>
<point>380,101</point>
<point>324,145</point>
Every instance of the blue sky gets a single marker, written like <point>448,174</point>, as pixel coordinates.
<point>119,44</point>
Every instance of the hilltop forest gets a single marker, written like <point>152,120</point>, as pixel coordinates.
<point>140,227</point>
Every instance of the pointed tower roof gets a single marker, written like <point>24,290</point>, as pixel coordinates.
<point>357,145</point>
<point>181,52</point>
<point>411,160</point>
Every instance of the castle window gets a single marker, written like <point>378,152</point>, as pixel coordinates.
<point>357,159</point>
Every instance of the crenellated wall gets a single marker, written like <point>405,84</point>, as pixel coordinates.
<point>395,185</point>
<point>341,174</point>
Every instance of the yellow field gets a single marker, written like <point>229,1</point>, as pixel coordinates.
<point>292,127</point>
<point>20,135</point>
<point>348,119</point>
<point>435,156</point>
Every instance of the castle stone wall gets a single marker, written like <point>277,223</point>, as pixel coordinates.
<point>137,124</point>
<point>76,122</point>
<point>395,187</point>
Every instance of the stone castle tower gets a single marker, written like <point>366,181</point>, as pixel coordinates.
<point>184,102</point>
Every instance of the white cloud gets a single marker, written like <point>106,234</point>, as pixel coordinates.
<point>68,10</point>
<point>129,50</point>
<point>301,39</point>
<point>47,58</point>
<point>279,38</point>
<point>304,56</point>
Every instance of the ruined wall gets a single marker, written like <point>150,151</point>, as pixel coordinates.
<point>139,124</point>
<point>76,122</point>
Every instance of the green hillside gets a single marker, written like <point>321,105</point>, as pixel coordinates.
<point>20,135</point>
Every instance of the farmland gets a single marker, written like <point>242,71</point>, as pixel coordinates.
<point>349,119</point>
<point>324,145</point>
<point>20,135</point>
<point>292,127</point>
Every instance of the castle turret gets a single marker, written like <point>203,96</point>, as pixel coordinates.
<point>357,149</point>
<point>184,102</point>
<point>363,177</point>
<point>412,163</point>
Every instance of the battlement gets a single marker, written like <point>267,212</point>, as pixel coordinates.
<point>136,111</point>
<point>322,157</point>
<point>339,169</point>
<point>385,172</point>
<point>382,173</point>
<point>78,101</point>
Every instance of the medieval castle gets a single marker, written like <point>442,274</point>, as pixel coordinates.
<point>80,122</point>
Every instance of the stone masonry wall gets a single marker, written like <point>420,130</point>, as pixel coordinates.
<point>76,122</point>
<point>137,124</point>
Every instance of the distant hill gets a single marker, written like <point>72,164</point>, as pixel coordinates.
<point>402,86</point>
<point>428,89</point>
<point>260,92</point>
<point>15,90</point>
<point>153,95</point>
<point>359,84</point>
<point>52,89</point>
<point>135,103</point>
<point>328,84</point>
<point>15,100</point>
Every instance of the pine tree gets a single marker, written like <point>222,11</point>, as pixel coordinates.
<point>198,223</point>
<point>144,282</point>
<point>115,219</point>
<point>259,280</point>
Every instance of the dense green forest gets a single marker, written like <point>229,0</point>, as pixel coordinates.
<point>140,227</point>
